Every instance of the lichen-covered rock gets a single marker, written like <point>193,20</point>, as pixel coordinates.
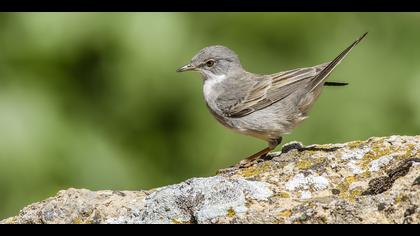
<point>372,181</point>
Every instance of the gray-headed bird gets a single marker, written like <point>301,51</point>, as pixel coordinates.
<point>263,106</point>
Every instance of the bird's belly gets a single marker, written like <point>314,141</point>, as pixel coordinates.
<point>266,124</point>
<point>258,124</point>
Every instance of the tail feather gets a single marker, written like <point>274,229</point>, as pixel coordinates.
<point>335,84</point>
<point>323,74</point>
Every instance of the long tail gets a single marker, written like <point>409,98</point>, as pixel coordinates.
<point>335,84</point>
<point>323,74</point>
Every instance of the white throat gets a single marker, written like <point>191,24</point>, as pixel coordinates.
<point>209,85</point>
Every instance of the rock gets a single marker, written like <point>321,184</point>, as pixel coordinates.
<point>372,181</point>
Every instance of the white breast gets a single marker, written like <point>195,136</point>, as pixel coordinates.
<point>209,86</point>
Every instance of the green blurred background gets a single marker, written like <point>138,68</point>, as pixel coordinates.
<point>93,100</point>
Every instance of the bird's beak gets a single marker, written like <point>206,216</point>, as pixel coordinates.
<point>187,67</point>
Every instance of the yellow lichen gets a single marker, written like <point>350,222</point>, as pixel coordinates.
<point>365,174</point>
<point>309,153</point>
<point>350,179</point>
<point>77,221</point>
<point>356,192</point>
<point>231,212</point>
<point>377,151</point>
<point>400,198</point>
<point>344,188</point>
<point>176,222</point>
<point>285,213</point>
<point>354,144</point>
<point>255,170</point>
<point>304,164</point>
<point>408,152</point>
<point>283,195</point>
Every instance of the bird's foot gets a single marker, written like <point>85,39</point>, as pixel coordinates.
<point>241,165</point>
<point>249,161</point>
<point>226,170</point>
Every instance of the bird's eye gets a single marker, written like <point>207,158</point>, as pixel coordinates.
<point>209,63</point>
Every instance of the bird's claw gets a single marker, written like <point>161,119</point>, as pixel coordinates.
<point>241,165</point>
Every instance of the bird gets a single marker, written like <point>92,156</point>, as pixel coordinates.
<point>266,107</point>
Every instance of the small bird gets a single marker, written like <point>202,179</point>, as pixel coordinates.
<point>263,106</point>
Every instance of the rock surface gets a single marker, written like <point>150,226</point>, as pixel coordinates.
<point>372,181</point>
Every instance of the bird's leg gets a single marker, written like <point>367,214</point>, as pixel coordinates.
<point>272,144</point>
<point>257,155</point>
<point>248,161</point>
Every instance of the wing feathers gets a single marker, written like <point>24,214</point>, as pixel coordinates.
<point>270,89</point>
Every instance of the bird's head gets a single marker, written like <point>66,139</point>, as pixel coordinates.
<point>214,61</point>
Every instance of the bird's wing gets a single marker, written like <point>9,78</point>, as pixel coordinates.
<point>267,90</point>
<point>270,89</point>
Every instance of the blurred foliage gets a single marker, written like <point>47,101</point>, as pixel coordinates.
<point>92,100</point>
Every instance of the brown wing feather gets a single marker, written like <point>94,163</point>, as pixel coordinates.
<point>270,89</point>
